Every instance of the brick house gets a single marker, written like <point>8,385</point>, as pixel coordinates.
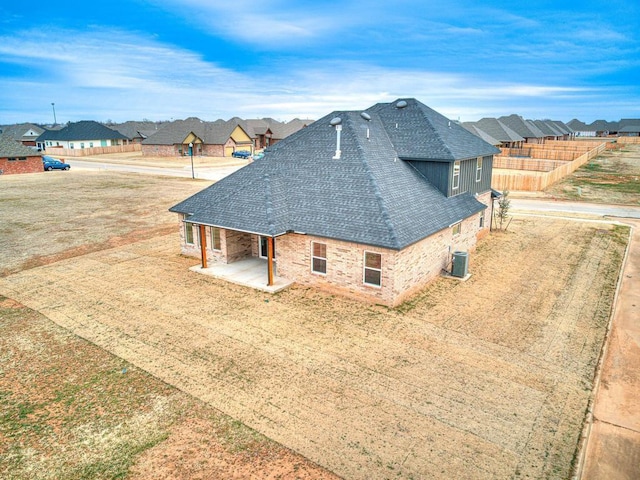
<point>17,158</point>
<point>217,139</point>
<point>369,204</point>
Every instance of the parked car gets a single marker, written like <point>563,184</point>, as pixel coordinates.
<point>241,154</point>
<point>258,156</point>
<point>50,163</point>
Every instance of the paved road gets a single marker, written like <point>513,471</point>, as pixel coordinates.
<point>544,205</point>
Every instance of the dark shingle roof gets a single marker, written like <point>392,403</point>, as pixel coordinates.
<point>367,196</point>
<point>84,130</point>
<point>498,130</point>
<point>420,133</point>
<point>10,147</point>
<point>521,126</point>
<point>19,131</point>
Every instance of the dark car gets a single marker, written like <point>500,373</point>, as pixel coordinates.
<point>50,163</point>
<point>241,154</point>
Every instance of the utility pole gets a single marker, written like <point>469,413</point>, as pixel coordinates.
<point>55,121</point>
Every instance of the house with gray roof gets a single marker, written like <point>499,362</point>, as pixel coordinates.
<point>83,134</point>
<point>198,137</point>
<point>525,128</point>
<point>26,133</point>
<point>370,204</point>
<point>136,132</point>
<point>493,127</point>
<point>18,158</point>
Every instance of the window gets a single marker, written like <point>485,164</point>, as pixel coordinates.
<point>188,233</point>
<point>456,176</point>
<point>319,257</point>
<point>372,268</point>
<point>90,144</point>
<point>71,145</point>
<point>215,238</point>
<point>456,229</point>
<point>478,169</point>
<point>12,159</point>
<point>81,144</point>
<point>22,158</point>
<point>481,220</point>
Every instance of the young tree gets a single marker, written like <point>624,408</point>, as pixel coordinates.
<point>504,204</point>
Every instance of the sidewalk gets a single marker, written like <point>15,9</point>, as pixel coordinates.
<point>613,444</point>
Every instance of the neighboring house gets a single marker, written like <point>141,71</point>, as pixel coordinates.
<point>216,139</point>
<point>493,127</point>
<point>581,129</point>
<point>18,158</point>
<point>136,131</point>
<point>26,133</point>
<point>369,204</point>
<point>548,129</point>
<point>524,128</point>
<point>630,131</point>
<point>84,134</point>
<point>267,131</point>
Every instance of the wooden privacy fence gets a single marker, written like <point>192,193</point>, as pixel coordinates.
<point>88,152</point>
<point>535,181</point>
<point>633,140</point>
<point>530,164</point>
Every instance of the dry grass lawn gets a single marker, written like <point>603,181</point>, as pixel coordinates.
<point>489,378</point>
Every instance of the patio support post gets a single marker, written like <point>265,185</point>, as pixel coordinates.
<point>203,246</point>
<point>269,261</point>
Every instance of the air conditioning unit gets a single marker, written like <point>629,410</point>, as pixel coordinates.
<point>460,264</point>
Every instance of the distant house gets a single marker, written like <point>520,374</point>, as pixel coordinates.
<point>18,158</point>
<point>503,136</point>
<point>630,131</point>
<point>370,204</point>
<point>267,131</point>
<point>217,139</point>
<point>525,128</point>
<point>136,132</point>
<point>25,133</point>
<point>84,134</point>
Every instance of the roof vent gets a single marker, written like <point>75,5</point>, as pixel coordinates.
<point>401,104</point>
<point>366,116</point>
<point>337,122</point>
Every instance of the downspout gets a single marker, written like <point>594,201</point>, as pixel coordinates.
<point>203,246</point>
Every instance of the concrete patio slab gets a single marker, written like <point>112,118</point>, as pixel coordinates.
<point>251,272</point>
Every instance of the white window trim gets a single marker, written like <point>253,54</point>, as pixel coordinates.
<point>455,180</point>
<point>458,226</point>
<point>478,169</point>
<point>313,257</point>
<point>364,269</point>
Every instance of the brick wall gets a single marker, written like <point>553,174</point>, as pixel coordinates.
<point>159,150</point>
<point>30,165</point>
<point>404,272</point>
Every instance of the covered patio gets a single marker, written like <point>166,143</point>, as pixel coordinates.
<point>251,272</point>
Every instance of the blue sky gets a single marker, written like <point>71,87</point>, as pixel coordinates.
<point>168,59</point>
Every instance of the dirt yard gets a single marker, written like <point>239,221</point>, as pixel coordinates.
<point>612,177</point>
<point>488,378</point>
